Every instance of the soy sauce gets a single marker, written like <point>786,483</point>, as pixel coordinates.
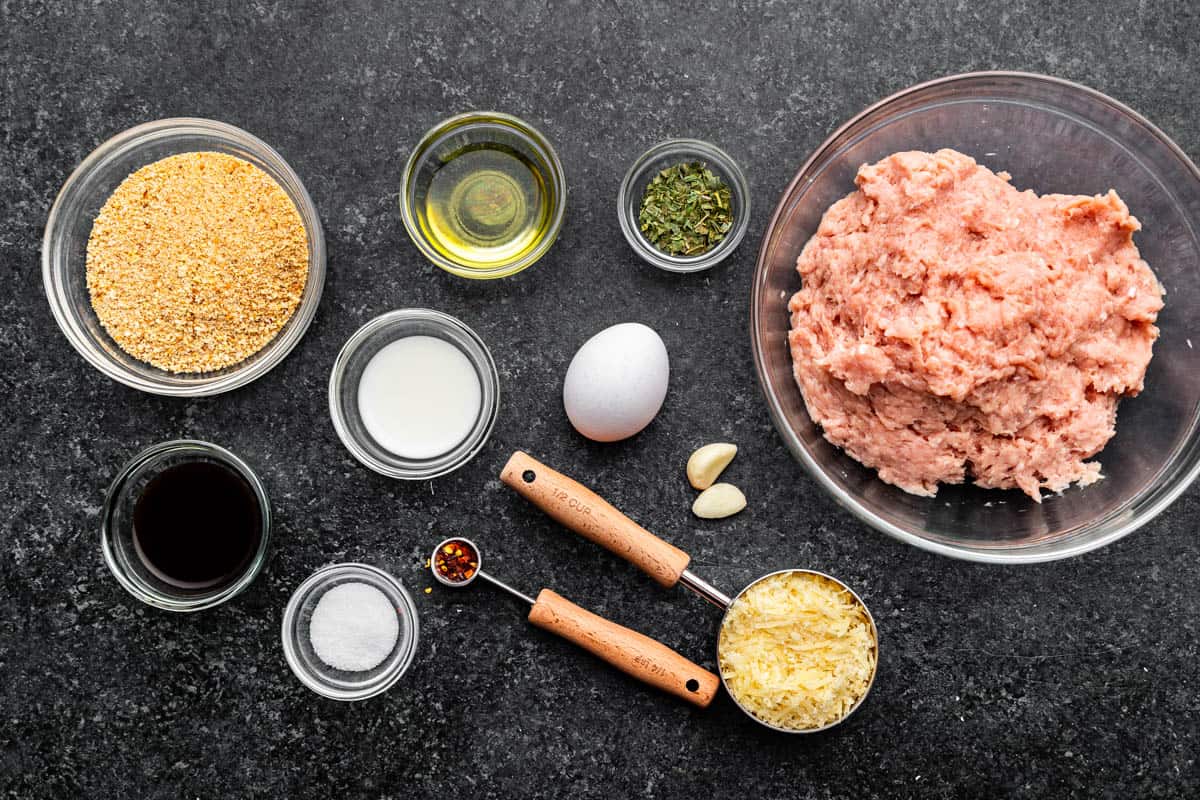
<point>197,525</point>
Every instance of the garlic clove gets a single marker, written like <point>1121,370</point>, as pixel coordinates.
<point>707,463</point>
<point>719,501</point>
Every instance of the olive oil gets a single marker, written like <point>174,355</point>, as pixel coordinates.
<point>486,206</point>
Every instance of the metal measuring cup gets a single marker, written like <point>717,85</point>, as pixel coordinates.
<point>592,517</point>
<point>635,654</point>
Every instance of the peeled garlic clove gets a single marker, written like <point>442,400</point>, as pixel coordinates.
<point>719,501</point>
<point>707,463</point>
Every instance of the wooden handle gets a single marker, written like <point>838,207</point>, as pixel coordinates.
<point>593,518</point>
<point>629,651</point>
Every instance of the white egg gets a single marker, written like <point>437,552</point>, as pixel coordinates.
<point>616,382</point>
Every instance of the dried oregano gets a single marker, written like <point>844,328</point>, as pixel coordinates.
<point>686,210</point>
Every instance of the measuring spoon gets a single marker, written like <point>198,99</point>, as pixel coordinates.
<point>633,653</point>
<point>579,508</point>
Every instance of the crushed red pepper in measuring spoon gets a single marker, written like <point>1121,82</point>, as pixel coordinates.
<point>456,561</point>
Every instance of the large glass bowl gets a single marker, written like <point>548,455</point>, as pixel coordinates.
<point>64,251</point>
<point>1052,136</point>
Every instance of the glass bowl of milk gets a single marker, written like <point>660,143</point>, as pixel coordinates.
<point>414,394</point>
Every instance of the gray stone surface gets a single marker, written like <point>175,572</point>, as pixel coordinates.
<point>1068,679</point>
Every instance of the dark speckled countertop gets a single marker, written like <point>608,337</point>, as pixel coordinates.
<point>1077,678</point>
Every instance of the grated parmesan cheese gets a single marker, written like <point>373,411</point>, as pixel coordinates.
<point>797,650</point>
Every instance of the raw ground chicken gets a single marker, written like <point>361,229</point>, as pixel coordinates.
<point>952,328</point>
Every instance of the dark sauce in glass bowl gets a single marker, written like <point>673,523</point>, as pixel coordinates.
<point>197,525</point>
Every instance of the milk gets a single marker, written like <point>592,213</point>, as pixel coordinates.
<point>419,397</point>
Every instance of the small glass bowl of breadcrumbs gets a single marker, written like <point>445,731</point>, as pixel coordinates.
<point>183,257</point>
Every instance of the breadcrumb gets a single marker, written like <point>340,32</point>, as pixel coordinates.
<point>196,262</point>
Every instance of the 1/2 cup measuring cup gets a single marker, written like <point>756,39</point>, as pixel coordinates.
<point>591,516</point>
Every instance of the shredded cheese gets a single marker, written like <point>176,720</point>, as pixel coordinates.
<point>797,650</point>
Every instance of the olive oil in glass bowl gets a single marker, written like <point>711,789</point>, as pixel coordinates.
<point>483,195</point>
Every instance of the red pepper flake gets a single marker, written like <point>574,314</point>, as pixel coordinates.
<point>456,561</point>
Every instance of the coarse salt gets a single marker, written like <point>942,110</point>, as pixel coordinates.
<point>354,627</point>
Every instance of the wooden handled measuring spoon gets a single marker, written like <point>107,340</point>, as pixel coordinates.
<point>595,519</point>
<point>591,516</point>
<point>456,562</point>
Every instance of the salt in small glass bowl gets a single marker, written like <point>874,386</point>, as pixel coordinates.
<point>667,154</point>
<point>64,251</point>
<point>357,353</point>
<point>339,684</point>
<point>116,526</point>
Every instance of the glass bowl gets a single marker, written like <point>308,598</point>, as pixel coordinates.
<point>335,683</point>
<point>357,353</point>
<point>658,158</point>
<point>444,142</point>
<point>64,251</point>
<point>116,526</point>
<point>1052,136</point>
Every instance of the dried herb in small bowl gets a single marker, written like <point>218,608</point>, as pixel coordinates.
<point>686,210</point>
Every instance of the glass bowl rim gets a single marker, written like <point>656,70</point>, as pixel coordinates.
<point>687,148</point>
<point>468,119</point>
<point>1080,544</point>
<point>130,140</point>
<point>149,595</point>
<point>290,634</point>
<point>364,334</point>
